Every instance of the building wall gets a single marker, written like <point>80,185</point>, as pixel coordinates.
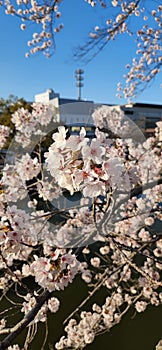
<point>76,112</point>
<point>46,96</point>
<point>144,115</point>
<point>73,111</point>
<point>70,110</point>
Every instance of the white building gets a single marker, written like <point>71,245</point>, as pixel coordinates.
<point>46,96</point>
<point>73,111</point>
<point>70,110</point>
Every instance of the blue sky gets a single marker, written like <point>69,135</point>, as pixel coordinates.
<point>24,77</point>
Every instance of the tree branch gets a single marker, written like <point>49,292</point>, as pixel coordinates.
<point>19,327</point>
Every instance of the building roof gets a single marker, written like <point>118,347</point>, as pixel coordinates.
<point>147,105</point>
<point>70,100</point>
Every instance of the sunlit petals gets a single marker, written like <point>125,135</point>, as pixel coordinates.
<point>140,306</point>
<point>60,137</point>
<point>55,274</point>
<point>94,189</point>
<point>53,304</point>
<point>94,151</point>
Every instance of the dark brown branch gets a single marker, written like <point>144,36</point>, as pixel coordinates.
<point>19,327</point>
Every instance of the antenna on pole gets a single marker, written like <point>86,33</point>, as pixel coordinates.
<point>79,78</point>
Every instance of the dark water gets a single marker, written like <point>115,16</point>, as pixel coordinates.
<point>134,332</point>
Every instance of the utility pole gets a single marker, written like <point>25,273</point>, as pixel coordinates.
<point>79,78</point>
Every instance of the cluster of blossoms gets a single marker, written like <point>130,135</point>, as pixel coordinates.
<point>102,317</point>
<point>53,273</point>
<point>16,230</point>
<point>119,180</point>
<point>42,15</point>
<point>91,323</point>
<point>91,167</point>
<point>79,229</point>
<point>14,347</point>
<point>53,305</point>
<point>15,177</point>
<point>146,65</point>
<point>124,18</point>
<point>123,290</point>
<point>4,134</point>
<point>82,334</point>
<point>32,123</point>
<point>158,130</point>
<point>46,15</point>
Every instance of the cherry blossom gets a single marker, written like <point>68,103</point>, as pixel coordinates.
<point>54,273</point>
<point>109,239</point>
<point>53,304</point>
<point>140,306</point>
<point>14,347</point>
<point>4,134</point>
